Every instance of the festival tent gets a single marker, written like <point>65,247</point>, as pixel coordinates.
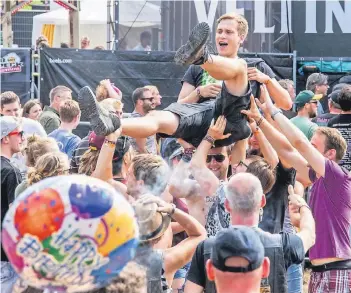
<point>93,14</point>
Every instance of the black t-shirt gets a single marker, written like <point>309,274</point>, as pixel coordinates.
<point>342,122</point>
<point>322,120</point>
<point>10,179</point>
<point>277,200</point>
<point>292,248</point>
<point>196,76</point>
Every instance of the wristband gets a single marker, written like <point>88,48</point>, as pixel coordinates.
<point>267,81</point>
<point>259,122</point>
<point>304,205</point>
<point>275,113</point>
<point>189,151</point>
<point>110,143</point>
<point>256,130</point>
<point>173,210</point>
<point>198,92</point>
<point>210,139</point>
<point>188,155</point>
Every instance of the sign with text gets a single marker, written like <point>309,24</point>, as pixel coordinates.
<point>15,72</point>
<point>311,27</point>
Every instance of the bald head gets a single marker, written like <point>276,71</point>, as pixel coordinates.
<point>244,193</point>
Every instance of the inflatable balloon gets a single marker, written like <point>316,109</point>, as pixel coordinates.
<point>69,234</point>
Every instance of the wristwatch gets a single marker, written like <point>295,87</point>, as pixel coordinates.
<point>277,111</point>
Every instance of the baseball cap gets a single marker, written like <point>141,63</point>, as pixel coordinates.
<point>8,124</point>
<point>305,97</point>
<point>334,97</point>
<point>237,241</point>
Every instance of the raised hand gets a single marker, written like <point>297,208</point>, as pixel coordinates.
<point>253,112</point>
<point>216,130</point>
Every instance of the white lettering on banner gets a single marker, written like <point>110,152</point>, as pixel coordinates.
<point>332,8</point>
<point>311,17</point>
<point>231,6</point>
<point>60,61</point>
<point>260,26</point>
<point>341,16</point>
<point>284,21</point>
<point>201,12</point>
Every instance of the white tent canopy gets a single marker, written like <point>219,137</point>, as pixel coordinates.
<point>93,20</point>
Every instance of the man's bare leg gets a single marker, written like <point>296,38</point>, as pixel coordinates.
<point>103,122</point>
<point>155,122</point>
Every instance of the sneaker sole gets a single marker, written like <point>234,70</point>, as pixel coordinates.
<point>197,39</point>
<point>90,108</point>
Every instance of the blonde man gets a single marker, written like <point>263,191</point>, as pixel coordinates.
<point>155,93</point>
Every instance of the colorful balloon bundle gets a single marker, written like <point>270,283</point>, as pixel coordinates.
<point>69,234</point>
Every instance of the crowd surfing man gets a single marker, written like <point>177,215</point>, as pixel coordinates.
<point>191,121</point>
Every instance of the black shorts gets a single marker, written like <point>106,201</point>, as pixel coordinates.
<point>230,106</point>
<point>194,120</point>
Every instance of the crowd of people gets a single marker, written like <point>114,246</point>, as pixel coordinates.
<point>233,186</point>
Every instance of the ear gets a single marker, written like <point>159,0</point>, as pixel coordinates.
<point>210,270</point>
<point>265,267</point>
<point>263,201</point>
<point>227,206</point>
<point>331,154</point>
<point>5,140</point>
<point>242,39</point>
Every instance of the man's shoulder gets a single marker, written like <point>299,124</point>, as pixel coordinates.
<point>7,168</point>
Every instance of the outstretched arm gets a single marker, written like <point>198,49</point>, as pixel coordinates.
<point>279,95</point>
<point>298,140</point>
<point>284,149</point>
<point>268,152</point>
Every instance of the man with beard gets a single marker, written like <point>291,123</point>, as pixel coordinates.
<point>144,102</point>
<point>306,107</point>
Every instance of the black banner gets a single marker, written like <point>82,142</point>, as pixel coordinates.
<point>126,69</point>
<point>321,28</point>
<point>16,72</point>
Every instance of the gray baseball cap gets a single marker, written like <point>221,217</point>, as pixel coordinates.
<point>8,124</point>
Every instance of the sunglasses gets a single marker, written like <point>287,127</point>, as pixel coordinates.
<point>148,99</point>
<point>20,133</point>
<point>219,158</point>
<point>313,102</point>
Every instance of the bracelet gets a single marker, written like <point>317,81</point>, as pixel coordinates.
<point>256,130</point>
<point>110,143</point>
<point>259,122</point>
<point>275,113</point>
<point>210,139</point>
<point>189,151</point>
<point>267,81</point>
<point>173,210</point>
<point>304,205</point>
<point>188,155</point>
<point>198,92</point>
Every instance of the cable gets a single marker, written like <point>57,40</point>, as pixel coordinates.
<point>131,25</point>
<point>288,24</point>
